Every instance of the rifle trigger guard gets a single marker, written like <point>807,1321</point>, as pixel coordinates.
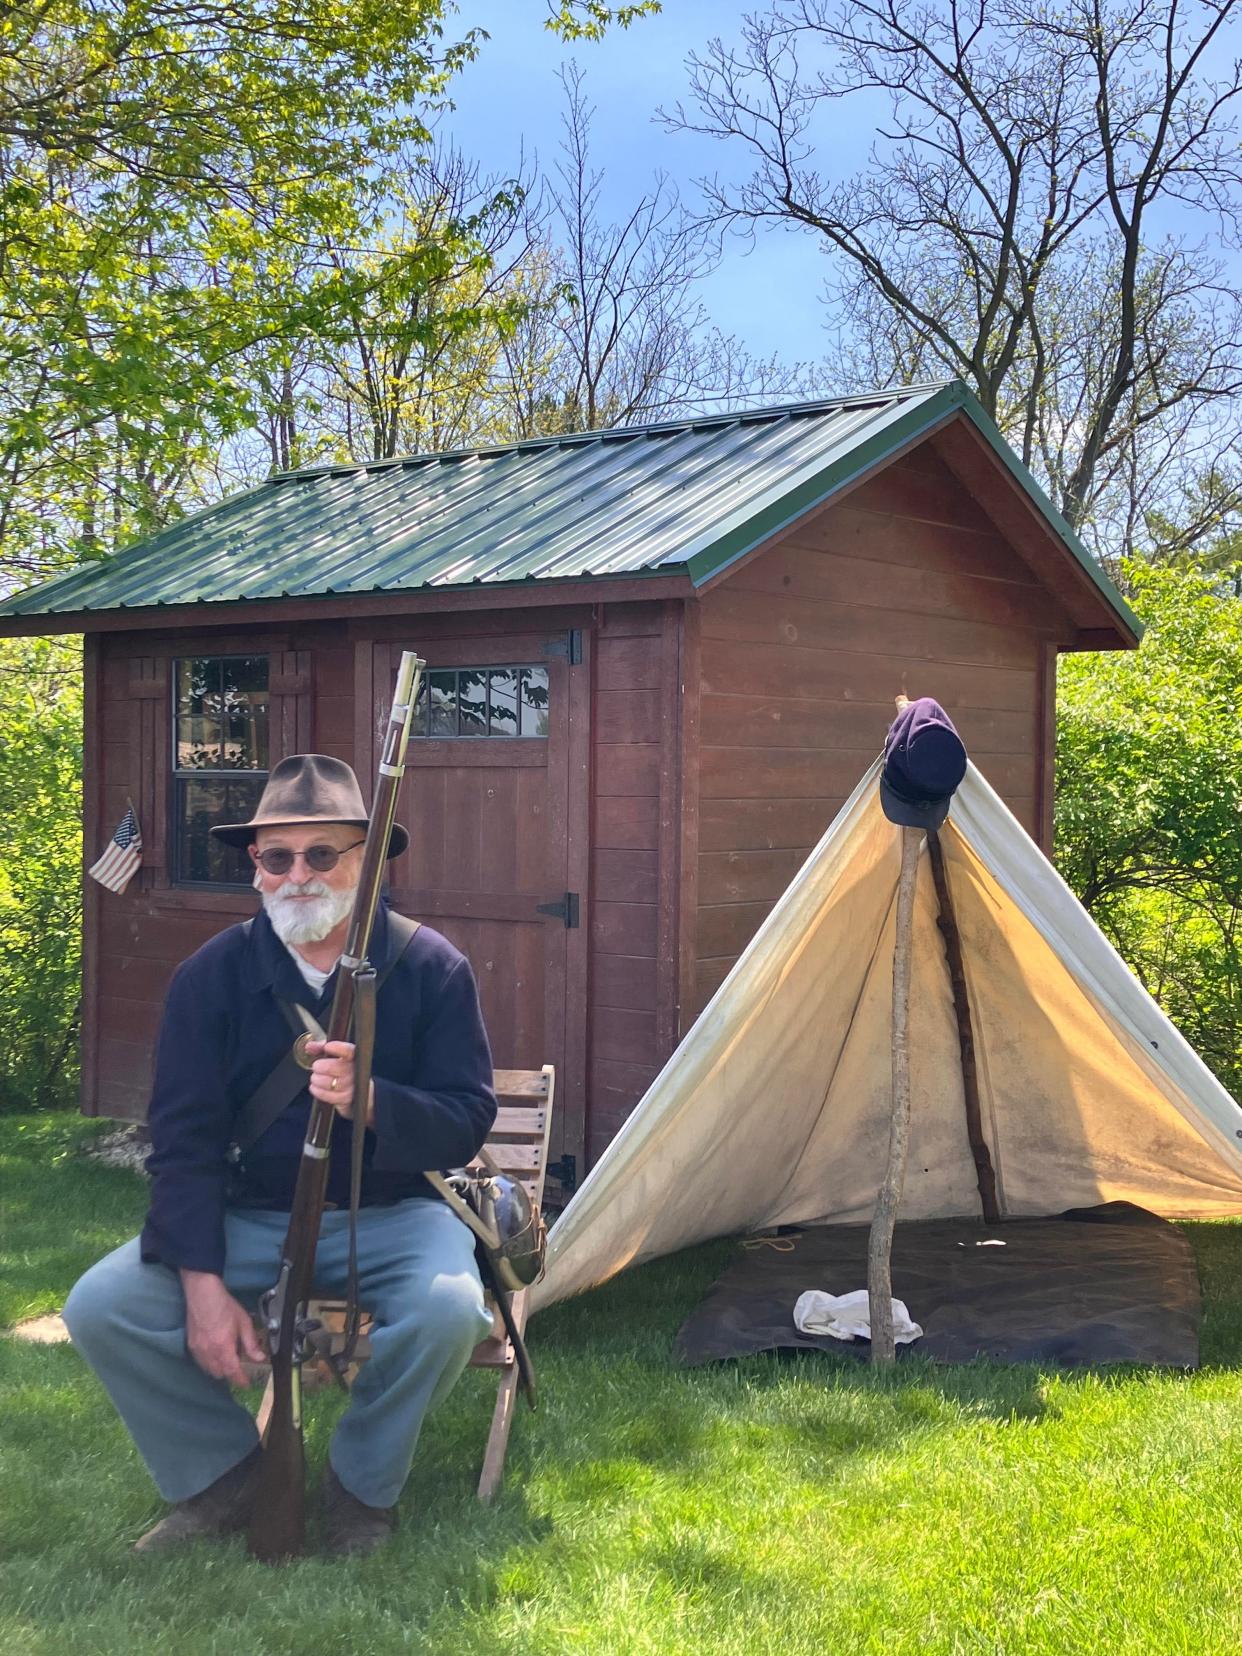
<point>272,1306</point>
<point>307,1331</point>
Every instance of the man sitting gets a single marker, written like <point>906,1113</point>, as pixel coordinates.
<point>164,1320</point>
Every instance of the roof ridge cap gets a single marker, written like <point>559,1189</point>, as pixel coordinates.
<point>658,428</point>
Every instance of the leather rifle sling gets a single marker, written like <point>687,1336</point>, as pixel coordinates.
<point>525,1368</point>
<point>365,990</point>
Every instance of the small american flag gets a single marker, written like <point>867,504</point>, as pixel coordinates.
<point>123,856</point>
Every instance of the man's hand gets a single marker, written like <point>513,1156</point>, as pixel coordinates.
<point>332,1078</point>
<point>218,1331</point>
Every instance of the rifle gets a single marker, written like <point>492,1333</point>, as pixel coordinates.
<point>278,1526</point>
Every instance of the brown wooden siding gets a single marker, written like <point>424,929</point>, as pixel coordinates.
<point>908,586</point>
<point>631,801</point>
<point>323,685</point>
<point>135,939</point>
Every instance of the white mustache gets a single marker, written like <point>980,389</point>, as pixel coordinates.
<point>312,888</point>
<point>306,913</point>
<point>290,888</point>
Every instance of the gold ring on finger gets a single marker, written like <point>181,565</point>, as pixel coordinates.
<point>333,1083</point>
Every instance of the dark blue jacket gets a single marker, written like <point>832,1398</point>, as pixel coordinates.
<point>223,1032</point>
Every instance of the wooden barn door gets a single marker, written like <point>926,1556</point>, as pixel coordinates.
<point>497,811</point>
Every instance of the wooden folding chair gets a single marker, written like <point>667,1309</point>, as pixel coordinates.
<point>519,1145</point>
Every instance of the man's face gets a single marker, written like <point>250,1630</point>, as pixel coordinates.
<point>305,904</point>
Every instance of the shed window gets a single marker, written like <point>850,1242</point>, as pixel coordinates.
<point>463,702</point>
<point>220,762</point>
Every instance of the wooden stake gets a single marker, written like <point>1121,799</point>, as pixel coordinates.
<point>985,1173</point>
<point>884,1219</point>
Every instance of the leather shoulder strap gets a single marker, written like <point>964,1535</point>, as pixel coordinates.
<point>403,931</point>
<point>274,1094</point>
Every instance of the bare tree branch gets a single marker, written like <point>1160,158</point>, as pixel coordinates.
<point>1047,212</point>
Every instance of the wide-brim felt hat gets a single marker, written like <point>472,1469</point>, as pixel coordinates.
<point>924,762</point>
<point>303,790</point>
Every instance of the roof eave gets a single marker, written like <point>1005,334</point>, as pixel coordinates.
<point>550,591</point>
<point>1128,626</point>
<point>906,427</point>
<point>910,426</point>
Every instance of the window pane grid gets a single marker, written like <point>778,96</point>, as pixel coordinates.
<point>221,714</point>
<point>220,762</point>
<point>470,703</point>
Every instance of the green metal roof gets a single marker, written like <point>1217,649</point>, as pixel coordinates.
<point>688,496</point>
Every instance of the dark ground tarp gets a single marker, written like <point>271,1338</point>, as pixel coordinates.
<point>1112,1284</point>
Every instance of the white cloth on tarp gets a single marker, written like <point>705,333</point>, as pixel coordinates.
<point>848,1316</point>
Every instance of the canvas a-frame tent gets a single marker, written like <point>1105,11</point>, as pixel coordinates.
<point>774,1110</point>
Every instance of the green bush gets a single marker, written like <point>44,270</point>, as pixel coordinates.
<point>40,870</point>
<point>1149,802</point>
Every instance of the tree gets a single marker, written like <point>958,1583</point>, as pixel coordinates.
<point>166,169</point>
<point>1036,216</point>
<point>414,360</point>
<point>589,19</point>
<point>1149,801</point>
<point>614,330</point>
<point>40,875</point>
<point>515,308</point>
<point>1205,534</point>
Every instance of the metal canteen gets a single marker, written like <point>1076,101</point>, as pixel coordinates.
<point>521,1234</point>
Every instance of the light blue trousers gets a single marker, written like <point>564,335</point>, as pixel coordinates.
<point>418,1279</point>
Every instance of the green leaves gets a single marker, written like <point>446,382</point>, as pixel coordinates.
<point>40,872</point>
<point>170,182</point>
<point>589,19</point>
<point>1149,802</point>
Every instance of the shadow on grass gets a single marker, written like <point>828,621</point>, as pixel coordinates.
<point>1217,1246</point>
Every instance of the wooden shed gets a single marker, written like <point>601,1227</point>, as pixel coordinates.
<point>660,659</point>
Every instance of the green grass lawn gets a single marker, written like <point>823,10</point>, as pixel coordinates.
<point>767,1506</point>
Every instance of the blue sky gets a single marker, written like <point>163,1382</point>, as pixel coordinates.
<point>769,297</point>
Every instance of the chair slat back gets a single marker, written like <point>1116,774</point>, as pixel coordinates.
<point>517,1085</point>
<point>518,1141</point>
<point>518,1121</point>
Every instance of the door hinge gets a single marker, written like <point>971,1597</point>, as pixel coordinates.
<point>566,909</point>
<point>565,1172</point>
<point>570,647</point>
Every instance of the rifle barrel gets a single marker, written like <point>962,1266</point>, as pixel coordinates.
<point>277,1529</point>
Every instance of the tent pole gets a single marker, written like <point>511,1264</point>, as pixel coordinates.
<point>884,1219</point>
<point>985,1173</point>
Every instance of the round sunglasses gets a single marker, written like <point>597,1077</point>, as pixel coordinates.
<point>278,859</point>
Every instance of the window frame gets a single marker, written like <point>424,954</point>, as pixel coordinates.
<point>421,737</point>
<point>177,879</point>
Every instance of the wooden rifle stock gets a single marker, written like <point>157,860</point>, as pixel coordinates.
<point>277,1529</point>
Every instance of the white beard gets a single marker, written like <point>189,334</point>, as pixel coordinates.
<point>307,913</point>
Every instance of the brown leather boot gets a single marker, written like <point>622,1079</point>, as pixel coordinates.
<point>220,1509</point>
<point>351,1527</point>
